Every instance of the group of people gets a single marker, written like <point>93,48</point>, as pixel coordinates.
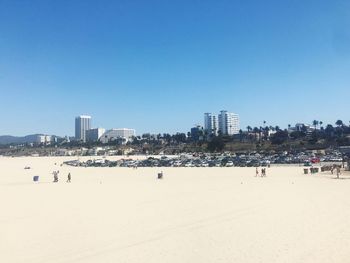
<point>263,172</point>
<point>55,177</point>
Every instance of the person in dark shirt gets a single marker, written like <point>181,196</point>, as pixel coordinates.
<point>69,178</point>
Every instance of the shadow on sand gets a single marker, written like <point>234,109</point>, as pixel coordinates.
<point>340,178</point>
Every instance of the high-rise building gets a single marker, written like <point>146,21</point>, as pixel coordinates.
<point>93,135</point>
<point>82,124</point>
<point>210,123</point>
<point>228,123</point>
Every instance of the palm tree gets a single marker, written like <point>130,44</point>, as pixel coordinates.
<point>205,134</point>
<point>249,129</point>
<point>256,130</point>
<point>266,131</point>
<point>241,135</point>
<point>340,128</point>
<point>315,123</point>
<point>219,133</point>
<point>339,123</point>
<point>329,131</point>
<point>261,133</point>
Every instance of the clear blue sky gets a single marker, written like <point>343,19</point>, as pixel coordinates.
<point>157,66</point>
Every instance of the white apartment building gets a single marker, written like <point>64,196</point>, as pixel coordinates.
<point>93,135</point>
<point>82,124</point>
<point>115,134</point>
<point>211,123</point>
<point>45,139</point>
<point>228,123</point>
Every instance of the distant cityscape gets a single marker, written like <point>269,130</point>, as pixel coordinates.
<point>224,124</point>
<point>84,132</point>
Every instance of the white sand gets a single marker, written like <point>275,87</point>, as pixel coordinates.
<point>192,215</point>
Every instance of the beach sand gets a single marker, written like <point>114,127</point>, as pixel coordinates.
<point>192,215</point>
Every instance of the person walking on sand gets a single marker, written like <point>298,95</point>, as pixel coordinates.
<point>256,172</point>
<point>263,172</point>
<point>55,177</point>
<point>69,178</point>
<point>338,171</point>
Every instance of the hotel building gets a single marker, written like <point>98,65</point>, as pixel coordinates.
<point>228,123</point>
<point>82,124</point>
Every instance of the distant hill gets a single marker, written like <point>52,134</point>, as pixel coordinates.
<point>8,139</point>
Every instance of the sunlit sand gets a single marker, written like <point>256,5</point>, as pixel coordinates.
<point>191,215</point>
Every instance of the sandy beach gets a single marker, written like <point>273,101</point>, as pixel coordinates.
<point>192,215</point>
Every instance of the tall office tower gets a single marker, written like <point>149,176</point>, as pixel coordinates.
<point>228,123</point>
<point>82,124</point>
<point>210,123</point>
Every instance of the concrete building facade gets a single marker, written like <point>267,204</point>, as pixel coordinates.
<point>211,123</point>
<point>82,124</point>
<point>93,135</point>
<point>228,123</point>
<point>121,134</point>
<point>44,139</point>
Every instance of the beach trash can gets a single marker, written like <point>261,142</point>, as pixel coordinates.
<point>306,171</point>
<point>160,175</point>
<point>36,178</point>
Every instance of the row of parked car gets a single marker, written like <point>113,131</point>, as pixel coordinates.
<point>213,160</point>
